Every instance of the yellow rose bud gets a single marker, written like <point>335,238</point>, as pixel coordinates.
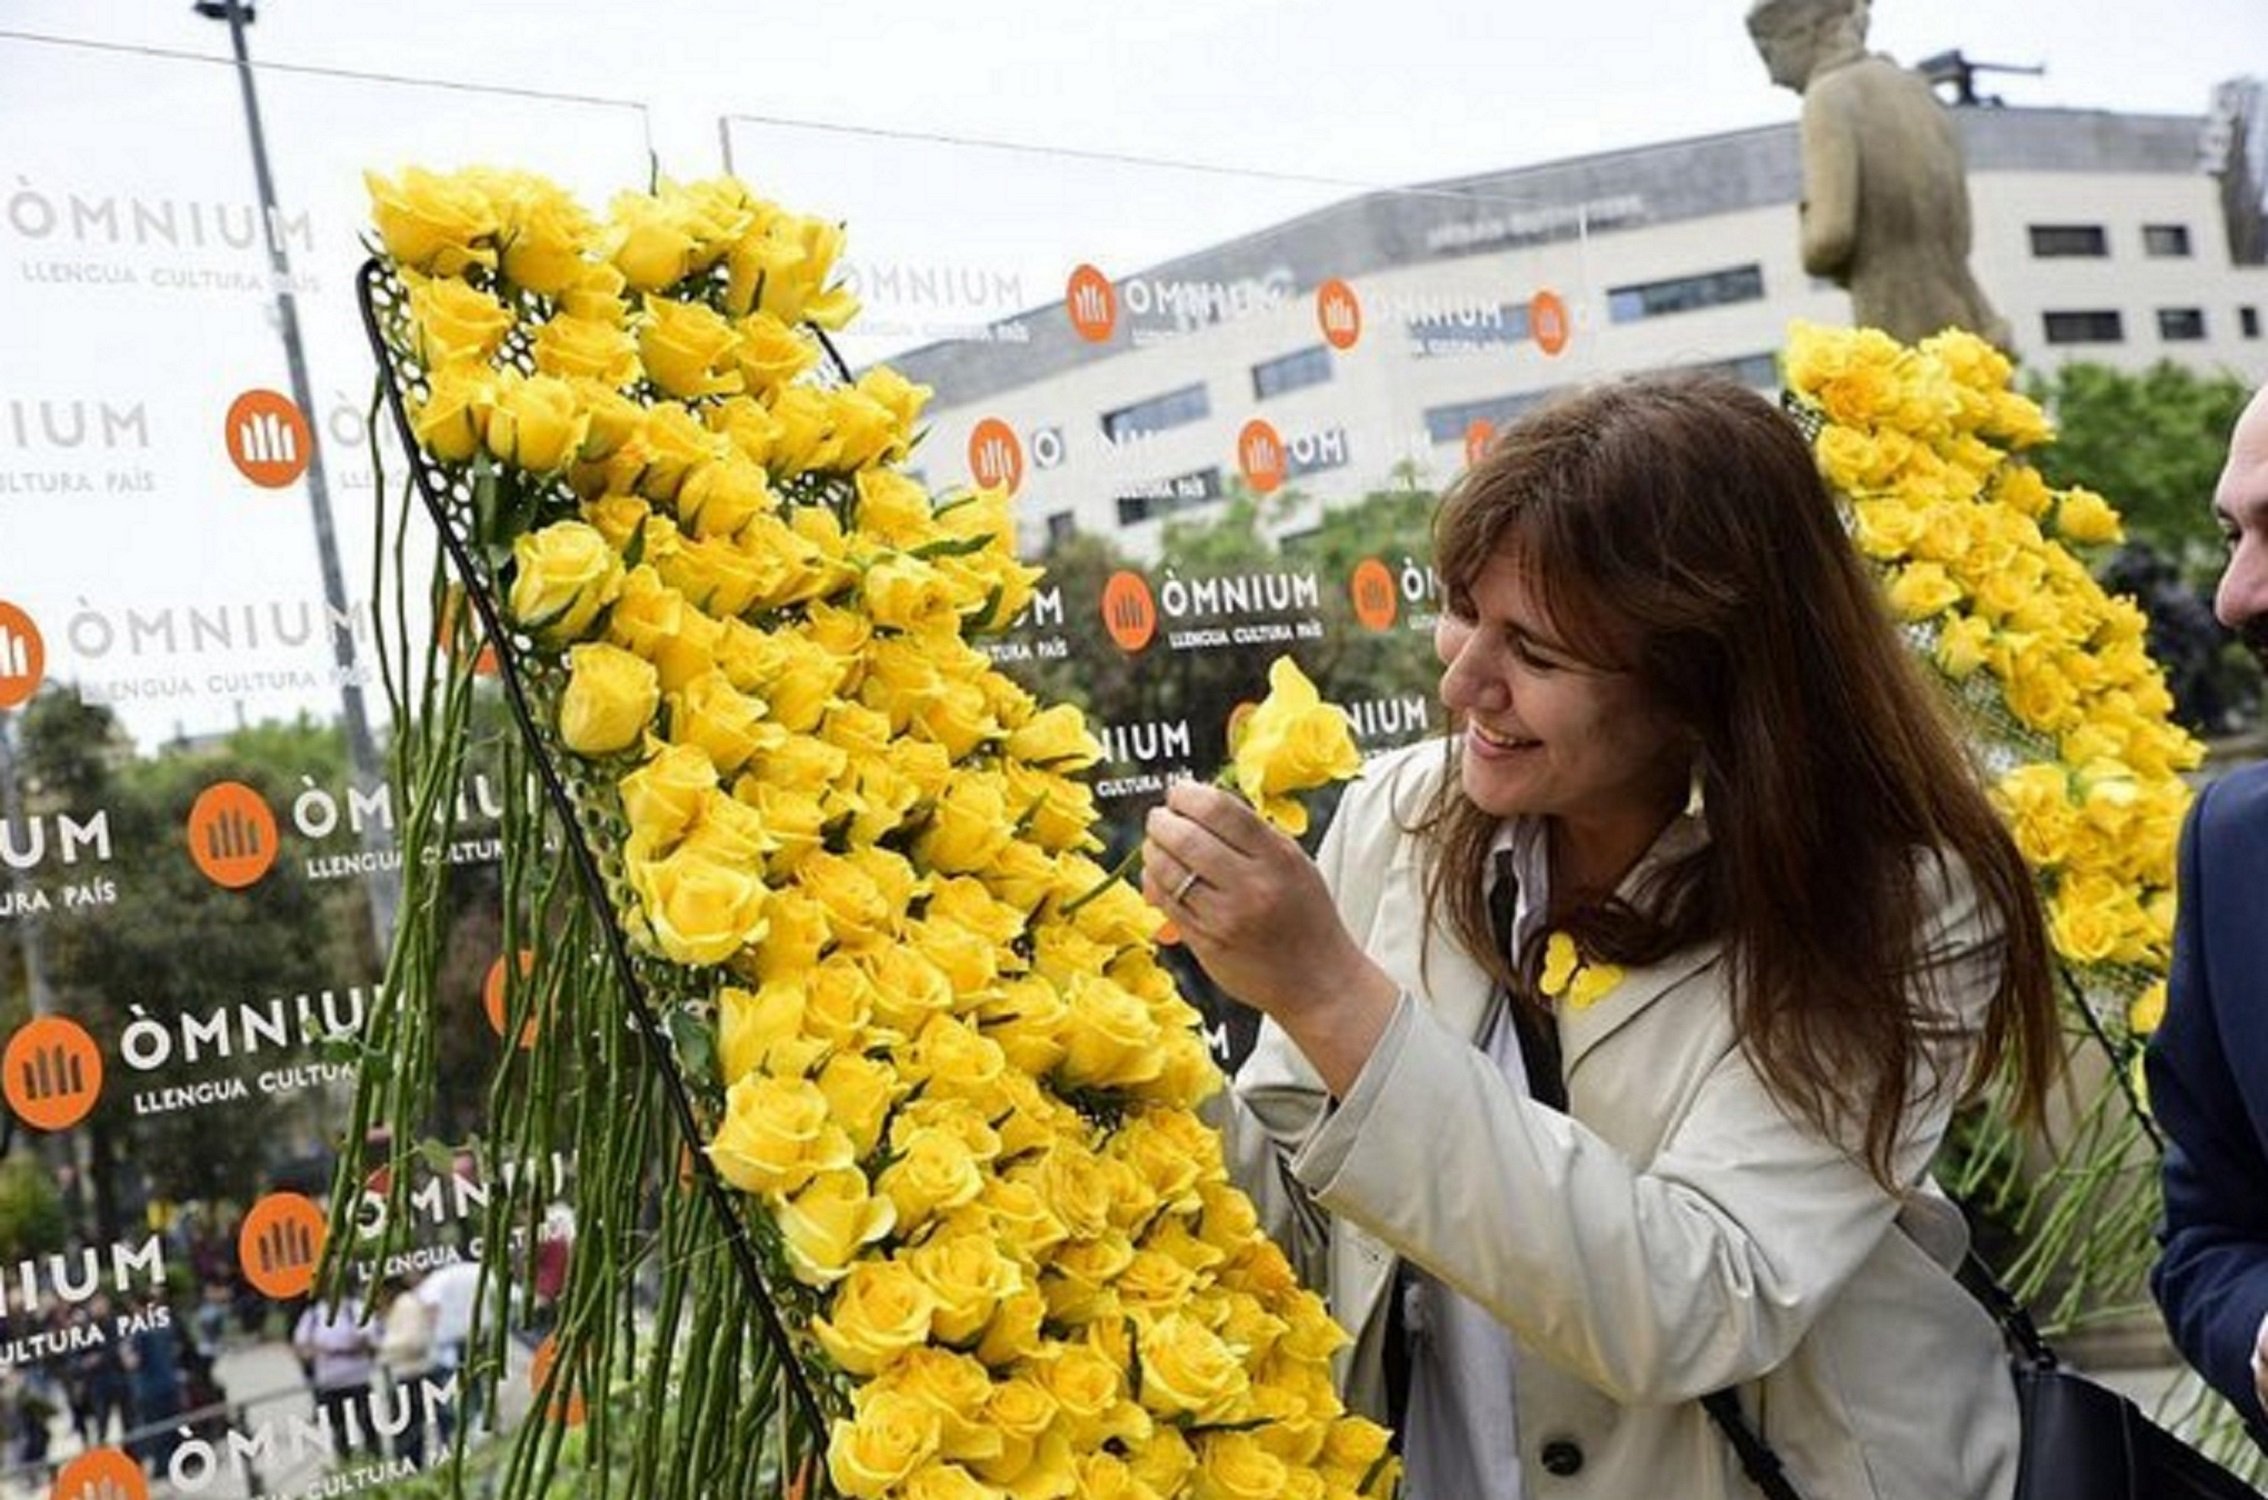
<point>456,322</point>
<point>880,1310</point>
<point>1293,742</point>
<point>1236,1466</point>
<point>1056,739</point>
<point>770,353</point>
<point>726,725</point>
<point>700,911</point>
<point>754,1025</point>
<point>728,831</point>
<point>934,1171</point>
<point>562,577</point>
<point>891,1436</point>
<point>968,1276</point>
<point>796,931</point>
<point>902,398</point>
<point>959,1389</point>
<point>436,225</point>
<point>905,593</point>
<point>1110,1039</point>
<point>968,826</point>
<point>609,700</point>
<point>648,242</point>
<point>2085,518</point>
<point>1164,1463</point>
<point>535,422</point>
<point>543,234</point>
<point>829,1222</point>
<point>1087,1387</point>
<point>1920,590</point>
<point>1963,645</point>
<point>860,1091</point>
<point>777,1134</point>
<point>722,495</point>
<point>683,344</point>
<point>450,420</point>
<point>1013,1336</point>
<point>587,349</point>
<point>1054,812</point>
<point>662,797</point>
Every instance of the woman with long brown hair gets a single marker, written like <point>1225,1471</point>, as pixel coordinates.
<point>1608,1044</point>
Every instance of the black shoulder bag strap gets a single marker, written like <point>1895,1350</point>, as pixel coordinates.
<point>1757,1460</point>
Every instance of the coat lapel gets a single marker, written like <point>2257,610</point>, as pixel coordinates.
<point>1582,1030</point>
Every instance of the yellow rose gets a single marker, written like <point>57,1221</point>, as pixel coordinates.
<point>856,907</point>
<point>795,933</point>
<point>1173,1152</point>
<point>1293,742</point>
<point>770,353</point>
<point>2086,519</point>
<point>1088,1388</point>
<point>544,232</point>
<point>1056,739</point>
<point>2085,920</point>
<point>839,1003</point>
<point>1964,643</point>
<point>891,1436</point>
<point>700,911</point>
<point>614,420</point>
<point>662,797</point>
<point>535,422</point>
<point>587,349</point>
<point>722,495</point>
<point>670,444</point>
<point>968,825</point>
<point>893,510</point>
<point>1110,1039</point>
<point>777,1135</point>
<point>720,576</point>
<point>1164,1462</point>
<point>944,1481</point>
<point>748,425</point>
<point>794,818</point>
<point>754,1026</point>
<point>860,1091</point>
<point>648,242</point>
<point>781,267</point>
<point>726,725</point>
<point>905,593</point>
<point>432,224</point>
<point>595,292</point>
<point>900,397</point>
<point>730,832</point>
<point>1919,590</point>
<point>450,421</point>
<point>455,321</point>
<point>563,576</point>
<point>968,1276</point>
<point>934,1170</point>
<point>1054,811</point>
<point>1014,1335</point>
<point>683,344</point>
<point>1236,1466</point>
<point>609,700</point>
<point>880,1310</point>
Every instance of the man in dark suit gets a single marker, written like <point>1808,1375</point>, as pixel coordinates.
<point>2208,1064</point>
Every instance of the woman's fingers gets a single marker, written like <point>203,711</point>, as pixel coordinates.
<point>1222,814</point>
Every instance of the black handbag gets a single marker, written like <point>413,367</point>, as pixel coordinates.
<point>2077,1440</point>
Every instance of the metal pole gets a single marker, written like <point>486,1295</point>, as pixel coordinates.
<point>383,885</point>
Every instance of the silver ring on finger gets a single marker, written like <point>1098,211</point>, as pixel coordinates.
<point>1183,887</point>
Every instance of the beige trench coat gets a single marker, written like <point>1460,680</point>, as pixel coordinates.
<point>1673,1234</point>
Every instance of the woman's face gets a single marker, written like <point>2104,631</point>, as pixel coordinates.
<point>1546,733</point>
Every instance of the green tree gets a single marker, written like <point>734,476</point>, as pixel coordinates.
<point>2152,444</point>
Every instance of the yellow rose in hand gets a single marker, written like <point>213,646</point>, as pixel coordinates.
<point>1293,742</point>
<point>535,422</point>
<point>610,699</point>
<point>563,576</point>
<point>701,911</point>
<point>433,224</point>
<point>893,1435</point>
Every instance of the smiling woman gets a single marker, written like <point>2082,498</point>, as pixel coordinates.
<point>1608,1046</point>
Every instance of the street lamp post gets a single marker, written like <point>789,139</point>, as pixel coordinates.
<point>383,885</point>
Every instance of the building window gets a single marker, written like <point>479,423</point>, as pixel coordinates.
<point>1467,329</point>
<point>2181,325</point>
<point>1653,299</point>
<point>1173,409</point>
<point>2248,321</point>
<point>1162,497</point>
<point>2165,239</point>
<point>1289,372</point>
<point>2084,327</point>
<point>1449,424</point>
<point>2069,239</point>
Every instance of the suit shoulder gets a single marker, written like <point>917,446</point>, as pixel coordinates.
<point>2235,804</point>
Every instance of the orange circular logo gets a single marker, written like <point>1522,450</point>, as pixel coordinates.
<point>996,459</point>
<point>1092,303</point>
<point>269,440</point>
<point>54,1073</point>
<point>101,1474</point>
<point>232,835</point>
<point>1129,612</point>
<point>445,631</point>
<point>280,1243</point>
<point>1478,435</point>
<point>23,656</point>
<point>567,1405</point>
<point>1548,322</point>
<point>493,997</point>
<point>1339,311</point>
<point>1260,456</point>
<point>1372,589</point>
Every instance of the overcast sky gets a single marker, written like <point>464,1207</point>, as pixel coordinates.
<point>1366,91</point>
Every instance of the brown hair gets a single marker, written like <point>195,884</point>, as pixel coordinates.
<point>1676,527</point>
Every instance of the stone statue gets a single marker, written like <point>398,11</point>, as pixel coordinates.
<point>1885,196</point>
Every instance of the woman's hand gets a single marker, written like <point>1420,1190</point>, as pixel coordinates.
<point>1254,911</point>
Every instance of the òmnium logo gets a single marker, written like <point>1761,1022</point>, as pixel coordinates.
<point>232,835</point>
<point>996,459</point>
<point>279,1244</point>
<point>1548,322</point>
<point>1260,456</point>
<point>1371,589</point>
<point>1129,611</point>
<point>1339,311</point>
<point>54,1073</point>
<point>496,1003</point>
<point>23,656</point>
<point>101,1474</point>
<point>268,438</point>
<point>1093,306</point>
<point>1479,433</point>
